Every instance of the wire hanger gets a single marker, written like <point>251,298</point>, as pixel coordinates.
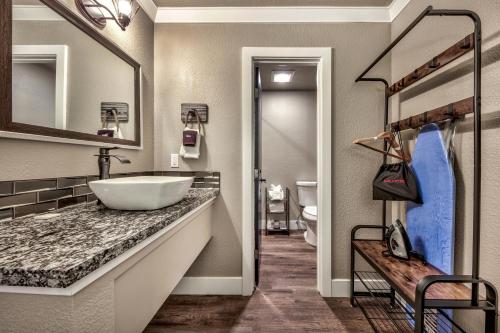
<point>388,137</point>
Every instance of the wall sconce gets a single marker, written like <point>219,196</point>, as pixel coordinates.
<point>99,11</point>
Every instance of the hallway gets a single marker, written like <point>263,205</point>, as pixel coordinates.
<point>286,300</point>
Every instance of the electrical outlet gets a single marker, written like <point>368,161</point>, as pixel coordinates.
<point>174,160</point>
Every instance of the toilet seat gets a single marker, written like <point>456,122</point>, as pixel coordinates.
<point>310,213</point>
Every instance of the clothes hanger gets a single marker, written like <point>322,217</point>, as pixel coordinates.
<point>388,137</point>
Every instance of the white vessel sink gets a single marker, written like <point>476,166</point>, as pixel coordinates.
<point>141,193</point>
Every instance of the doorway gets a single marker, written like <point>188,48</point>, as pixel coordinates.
<point>252,177</point>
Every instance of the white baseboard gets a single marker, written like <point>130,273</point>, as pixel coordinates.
<point>209,286</point>
<point>233,285</point>
<point>293,225</point>
<point>341,287</point>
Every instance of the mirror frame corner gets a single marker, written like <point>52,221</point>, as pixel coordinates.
<point>31,132</point>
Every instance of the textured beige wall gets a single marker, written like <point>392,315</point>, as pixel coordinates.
<point>22,159</point>
<point>289,140</point>
<point>451,84</point>
<point>202,63</point>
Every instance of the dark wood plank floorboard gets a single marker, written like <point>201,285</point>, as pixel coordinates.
<point>286,300</point>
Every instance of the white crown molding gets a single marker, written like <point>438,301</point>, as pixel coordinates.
<point>271,14</point>
<point>242,14</point>
<point>283,14</point>
<point>149,8</point>
<point>396,7</point>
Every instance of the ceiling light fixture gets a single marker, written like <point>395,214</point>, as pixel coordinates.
<point>282,76</point>
<point>99,11</point>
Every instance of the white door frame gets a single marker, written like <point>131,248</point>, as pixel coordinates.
<point>32,54</point>
<point>322,56</point>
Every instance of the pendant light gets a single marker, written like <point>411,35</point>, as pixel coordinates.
<point>99,11</point>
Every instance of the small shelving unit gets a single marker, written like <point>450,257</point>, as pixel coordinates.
<point>285,212</point>
<point>412,296</point>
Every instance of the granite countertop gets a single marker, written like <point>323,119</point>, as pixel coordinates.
<point>61,250</point>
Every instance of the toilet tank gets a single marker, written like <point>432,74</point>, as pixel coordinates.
<point>307,192</point>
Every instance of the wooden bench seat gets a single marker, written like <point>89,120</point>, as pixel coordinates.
<point>404,275</point>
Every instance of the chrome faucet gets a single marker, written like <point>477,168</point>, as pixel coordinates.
<point>104,161</point>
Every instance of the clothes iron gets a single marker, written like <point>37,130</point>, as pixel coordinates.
<point>398,243</point>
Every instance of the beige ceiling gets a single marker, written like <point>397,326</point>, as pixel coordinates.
<point>303,79</point>
<point>264,3</point>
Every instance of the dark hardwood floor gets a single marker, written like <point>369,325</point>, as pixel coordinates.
<point>286,300</point>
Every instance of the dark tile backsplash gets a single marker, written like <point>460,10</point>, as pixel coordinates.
<point>202,179</point>
<point>21,186</point>
<point>91,197</point>
<point>55,194</point>
<point>24,197</point>
<point>6,213</point>
<point>6,188</point>
<point>92,178</point>
<point>65,202</point>
<point>71,181</point>
<point>18,199</point>
<point>81,190</point>
<point>34,209</point>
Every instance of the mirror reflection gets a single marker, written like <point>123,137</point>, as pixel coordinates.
<point>64,79</point>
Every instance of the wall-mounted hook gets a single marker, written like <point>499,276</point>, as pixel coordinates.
<point>466,43</point>
<point>191,108</point>
<point>414,75</point>
<point>422,119</point>
<point>434,63</point>
<point>450,111</point>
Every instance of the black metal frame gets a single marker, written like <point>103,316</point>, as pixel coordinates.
<point>286,212</point>
<point>423,307</point>
<point>490,306</point>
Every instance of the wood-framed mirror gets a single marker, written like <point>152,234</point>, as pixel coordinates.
<point>61,80</point>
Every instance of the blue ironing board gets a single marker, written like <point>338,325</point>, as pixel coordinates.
<point>431,225</point>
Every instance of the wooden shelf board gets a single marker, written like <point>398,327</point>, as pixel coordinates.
<point>404,275</point>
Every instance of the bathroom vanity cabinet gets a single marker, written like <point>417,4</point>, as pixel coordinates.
<point>119,291</point>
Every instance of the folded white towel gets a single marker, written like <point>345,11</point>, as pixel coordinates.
<point>277,207</point>
<point>276,192</point>
<point>194,151</point>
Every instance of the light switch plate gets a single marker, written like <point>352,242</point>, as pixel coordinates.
<point>174,160</point>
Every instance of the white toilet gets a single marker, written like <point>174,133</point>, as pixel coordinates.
<point>308,200</point>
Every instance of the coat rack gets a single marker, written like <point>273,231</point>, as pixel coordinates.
<point>444,58</point>
<point>431,291</point>
<point>456,110</point>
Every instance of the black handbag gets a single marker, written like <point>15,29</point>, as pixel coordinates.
<point>396,182</point>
